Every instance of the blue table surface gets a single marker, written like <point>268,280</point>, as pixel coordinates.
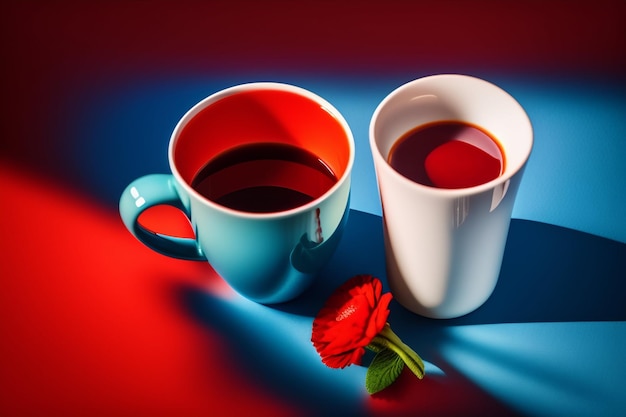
<point>551,339</point>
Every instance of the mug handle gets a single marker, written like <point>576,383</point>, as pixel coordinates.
<point>149,191</point>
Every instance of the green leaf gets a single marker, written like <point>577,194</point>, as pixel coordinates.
<point>385,368</point>
<point>387,338</point>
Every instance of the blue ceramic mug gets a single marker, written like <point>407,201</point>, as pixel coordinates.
<point>231,157</point>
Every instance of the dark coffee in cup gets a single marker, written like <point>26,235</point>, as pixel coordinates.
<point>448,154</point>
<point>264,178</point>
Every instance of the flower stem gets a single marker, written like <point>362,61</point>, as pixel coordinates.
<point>388,339</point>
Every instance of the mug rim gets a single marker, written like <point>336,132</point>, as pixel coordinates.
<point>257,86</point>
<point>447,192</point>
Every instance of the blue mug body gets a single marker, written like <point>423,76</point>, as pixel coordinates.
<point>267,257</point>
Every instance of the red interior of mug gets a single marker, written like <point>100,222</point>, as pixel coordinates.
<point>260,115</point>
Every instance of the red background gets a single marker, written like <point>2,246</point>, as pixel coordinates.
<point>90,323</point>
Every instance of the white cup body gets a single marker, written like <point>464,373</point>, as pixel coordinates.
<point>444,247</point>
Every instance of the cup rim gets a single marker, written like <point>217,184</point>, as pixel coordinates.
<point>261,85</point>
<point>447,192</point>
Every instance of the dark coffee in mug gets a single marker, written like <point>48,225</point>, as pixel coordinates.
<point>264,178</point>
<point>448,154</point>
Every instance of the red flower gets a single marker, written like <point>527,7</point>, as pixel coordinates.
<point>353,315</point>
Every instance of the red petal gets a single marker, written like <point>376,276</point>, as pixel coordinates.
<point>378,317</point>
<point>373,292</point>
<point>351,317</point>
<point>345,359</point>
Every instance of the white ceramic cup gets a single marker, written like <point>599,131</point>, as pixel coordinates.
<point>444,247</point>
